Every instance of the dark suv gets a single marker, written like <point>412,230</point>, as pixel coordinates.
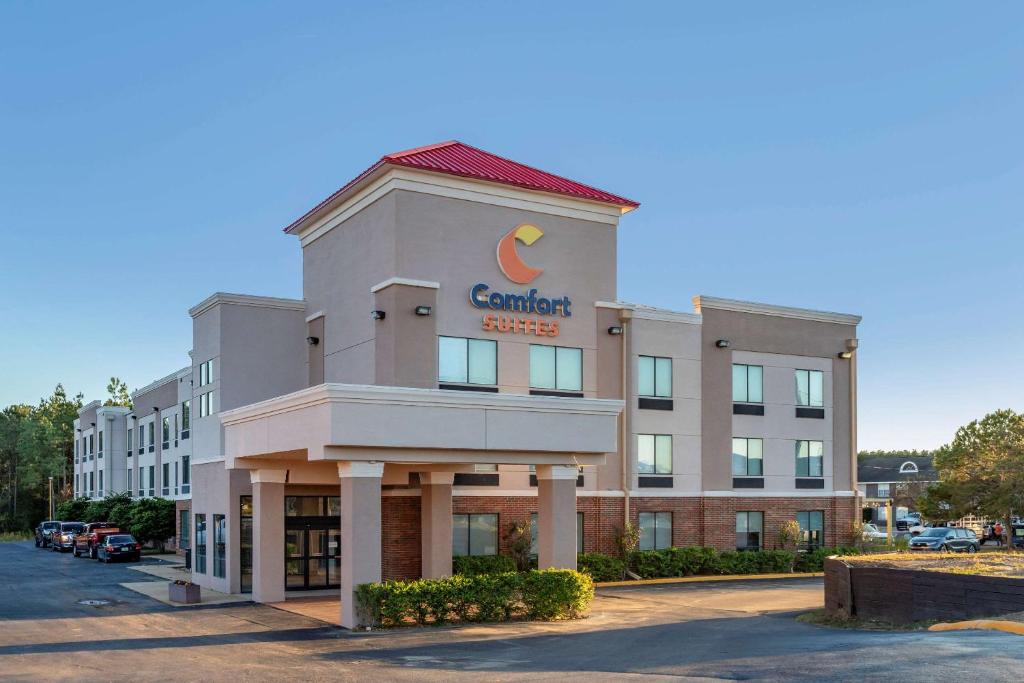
<point>946,539</point>
<point>64,538</point>
<point>43,532</point>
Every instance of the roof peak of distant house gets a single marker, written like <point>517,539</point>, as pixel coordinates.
<point>888,468</point>
<point>459,159</point>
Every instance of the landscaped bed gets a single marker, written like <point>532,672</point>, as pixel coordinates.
<point>987,564</point>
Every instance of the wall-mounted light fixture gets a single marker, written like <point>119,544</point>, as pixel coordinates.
<point>155,409</point>
<point>93,424</point>
<point>846,355</point>
<point>615,330</point>
<point>422,310</point>
<point>312,341</point>
<point>722,343</point>
<point>377,315</point>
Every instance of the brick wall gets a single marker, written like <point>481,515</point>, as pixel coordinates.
<point>400,537</point>
<point>180,505</point>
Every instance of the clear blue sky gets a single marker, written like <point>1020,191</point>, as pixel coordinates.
<point>864,158</point>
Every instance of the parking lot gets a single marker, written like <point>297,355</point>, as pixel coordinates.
<point>732,630</point>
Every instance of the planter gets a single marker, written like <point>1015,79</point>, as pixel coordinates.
<point>184,593</point>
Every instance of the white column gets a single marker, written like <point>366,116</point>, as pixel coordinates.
<point>436,524</point>
<point>556,516</point>
<point>268,535</point>
<point>360,532</point>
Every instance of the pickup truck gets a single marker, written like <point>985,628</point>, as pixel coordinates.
<point>64,538</point>
<point>44,531</point>
<point>92,537</point>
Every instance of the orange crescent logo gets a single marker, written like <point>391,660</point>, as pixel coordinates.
<point>508,258</point>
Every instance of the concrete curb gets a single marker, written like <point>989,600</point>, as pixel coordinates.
<point>708,579</point>
<point>982,625</point>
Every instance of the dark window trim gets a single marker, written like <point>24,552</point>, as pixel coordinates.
<point>551,392</point>
<point>748,409</point>
<point>655,482</point>
<point>810,482</point>
<point>468,387</point>
<point>748,482</point>
<point>476,479</point>
<point>651,403</point>
<point>816,413</point>
<point>533,480</point>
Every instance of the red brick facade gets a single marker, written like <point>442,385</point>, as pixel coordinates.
<point>703,521</point>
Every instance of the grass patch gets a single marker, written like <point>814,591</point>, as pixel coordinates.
<point>987,564</point>
<point>820,617</point>
<point>7,536</point>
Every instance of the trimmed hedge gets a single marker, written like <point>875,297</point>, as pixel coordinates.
<point>601,567</point>
<point>476,565</point>
<point>536,594</point>
<point>814,560</point>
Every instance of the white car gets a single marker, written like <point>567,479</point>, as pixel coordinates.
<point>872,533</point>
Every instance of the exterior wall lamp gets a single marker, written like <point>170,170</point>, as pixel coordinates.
<point>846,355</point>
<point>615,330</point>
<point>722,343</point>
<point>377,315</point>
<point>312,341</point>
<point>422,310</point>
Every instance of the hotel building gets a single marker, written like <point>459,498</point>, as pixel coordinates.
<point>460,361</point>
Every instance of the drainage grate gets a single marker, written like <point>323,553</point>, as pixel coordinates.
<point>93,603</point>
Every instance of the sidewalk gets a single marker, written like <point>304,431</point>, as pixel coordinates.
<point>171,569</point>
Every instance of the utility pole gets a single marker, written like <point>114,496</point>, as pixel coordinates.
<point>50,480</point>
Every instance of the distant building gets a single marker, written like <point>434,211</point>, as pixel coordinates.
<point>901,479</point>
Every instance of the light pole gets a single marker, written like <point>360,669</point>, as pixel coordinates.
<point>50,481</point>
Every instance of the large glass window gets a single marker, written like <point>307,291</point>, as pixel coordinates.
<point>200,544</point>
<point>747,383</point>
<point>101,484</point>
<point>654,453</point>
<point>101,444</point>
<point>165,432</point>
<point>186,418</point>
<point>130,486</point>
<point>150,430</point>
<point>655,530</point>
<point>245,543</point>
<point>304,506</point>
<point>152,480</point>
<point>749,530</point>
<point>165,479</point>
<point>654,376</point>
<point>467,361</point>
<point>809,457</point>
<point>142,439</point>
<point>205,373</point>
<point>811,524</point>
<point>130,433</point>
<point>747,457</point>
<point>186,474</point>
<point>475,534</point>
<point>556,367</point>
<point>810,388</point>
<point>183,526</point>
<point>220,533</point>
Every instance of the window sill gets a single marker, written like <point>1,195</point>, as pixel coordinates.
<point>468,387</point>
<point>815,413</point>
<point>748,482</point>
<point>654,403</point>
<point>747,409</point>
<point>549,392</point>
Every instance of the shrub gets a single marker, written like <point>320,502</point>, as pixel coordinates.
<point>518,541</point>
<point>152,519</point>
<point>547,594</point>
<point>72,509</point>
<point>814,560</point>
<point>688,561</point>
<point>601,567</point>
<point>475,565</point>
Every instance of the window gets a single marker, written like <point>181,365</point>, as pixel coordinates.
<point>303,506</point>
<point>245,543</point>
<point>76,485</point>
<point>206,405</point>
<point>186,418</point>
<point>748,530</point>
<point>183,534</point>
<point>908,468</point>
<point>130,434</point>
<point>186,474</point>
<point>176,430</point>
<point>175,477</point>
<point>809,388</point>
<point>165,480</point>
<point>556,367</point>
<point>165,432</point>
<point>654,377</point>
<point>809,457</point>
<point>655,530</point>
<point>151,429</point>
<point>76,450</point>
<point>101,445</point>
<point>92,446</point>
<point>142,438</point>
<point>201,544</point>
<point>811,524</point>
<point>475,534</point>
<point>883,490</point>
<point>152,478</point>
<point>129,481</point>
<point>533,533</point>
<point>205,373</point>
<point>654,453</point>
<point>747,383</point>
<point>220,532</point>
<point>467,361</point>
<point>101,484</point>
<point>747,457</point>
<point>142,482</point>
<point>92,483</point>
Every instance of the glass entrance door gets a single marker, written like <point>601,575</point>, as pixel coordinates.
<point>312,558</point>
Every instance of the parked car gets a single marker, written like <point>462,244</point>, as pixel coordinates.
<point>92,536</point>
<point>43,532</point>
<point>873,533</point>
<point>64,538</point>
<point>119,547</point>
<point>909,522</point>
<point>945,539</point>
<point>1018,536</point>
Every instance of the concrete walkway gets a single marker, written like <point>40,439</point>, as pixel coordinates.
<point>173,569</point>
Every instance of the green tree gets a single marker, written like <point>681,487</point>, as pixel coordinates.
<point>981,471</point>
<point>119,395</point>
<point>73,509</point>
<point>101,510</point>
<point>152,519</point>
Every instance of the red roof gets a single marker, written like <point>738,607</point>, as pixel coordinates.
<point>458,159</point>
